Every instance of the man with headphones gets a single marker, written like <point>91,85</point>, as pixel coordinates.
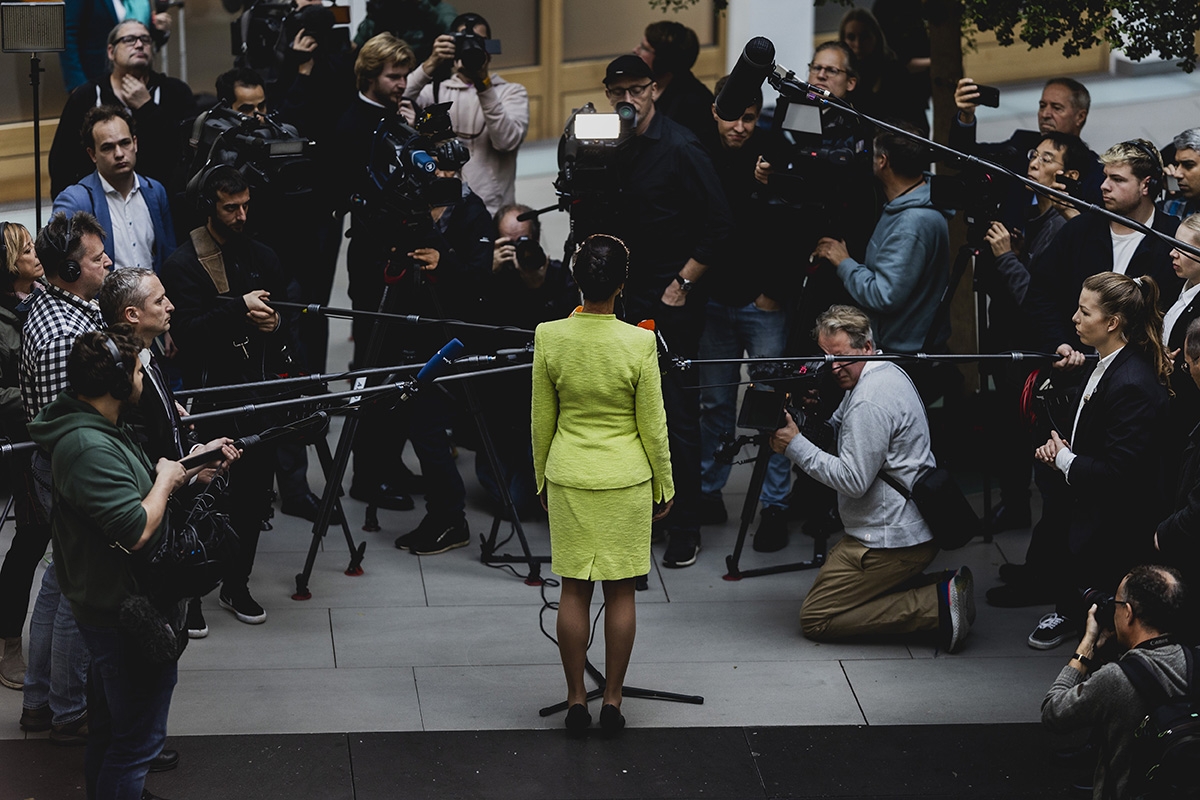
<point>220,279</point>
<point>110,501</point>
<point>72,254</point>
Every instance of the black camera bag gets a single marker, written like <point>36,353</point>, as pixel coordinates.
<point>1166,745</point>
<point>197,545</point>
<point>942,504</point>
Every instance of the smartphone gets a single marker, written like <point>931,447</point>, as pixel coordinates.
<point>988,96</point>
<point>1072,184</point>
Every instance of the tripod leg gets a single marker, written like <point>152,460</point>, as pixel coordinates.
<point>750,506</point>
<point>334,469</point>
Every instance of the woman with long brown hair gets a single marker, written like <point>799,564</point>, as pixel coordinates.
<point>1113,455</point>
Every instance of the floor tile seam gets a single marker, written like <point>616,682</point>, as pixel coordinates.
<point>853,693</point>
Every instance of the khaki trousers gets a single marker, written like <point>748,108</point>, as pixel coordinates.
<point>855,592</point>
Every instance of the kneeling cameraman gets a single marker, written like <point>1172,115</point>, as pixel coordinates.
<point>864,587</point>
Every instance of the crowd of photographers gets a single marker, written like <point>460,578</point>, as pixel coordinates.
<point>791,231</point>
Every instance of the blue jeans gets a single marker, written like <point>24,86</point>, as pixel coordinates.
<point>728,333</point>
<point>130,698</point>
<point>56,672</point>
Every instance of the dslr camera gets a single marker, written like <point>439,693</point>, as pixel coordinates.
<point>530,255</point>
<point>472,49</point>
<point>1106,607</point>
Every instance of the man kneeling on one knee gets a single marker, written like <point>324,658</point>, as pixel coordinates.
<point>872,581</point>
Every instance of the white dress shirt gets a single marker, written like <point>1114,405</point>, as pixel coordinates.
<point>1172,316</point>
<point>132,229</point>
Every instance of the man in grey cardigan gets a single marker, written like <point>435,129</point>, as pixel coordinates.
<point>1149,605</point>
<point>869,582</point>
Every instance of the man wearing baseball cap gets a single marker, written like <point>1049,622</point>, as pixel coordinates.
<point>673,216</point>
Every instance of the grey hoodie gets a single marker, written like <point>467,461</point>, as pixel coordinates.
<point>907,268</point>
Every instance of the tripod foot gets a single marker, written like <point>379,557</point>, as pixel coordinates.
<point>371,522</point>
<point>302,592</point>
<point>355,569</point>
<point>733,574</point>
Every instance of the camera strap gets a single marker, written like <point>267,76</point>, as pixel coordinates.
<point>211,258</point>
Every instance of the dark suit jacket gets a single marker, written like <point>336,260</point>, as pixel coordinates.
<point>1179,534</point>
<point>1083,247</point>
<point>88,195</point>
<point>1185,404</point>
<point>1116,484</point>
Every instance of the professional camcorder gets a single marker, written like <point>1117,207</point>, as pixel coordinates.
<point>273,157</point>
<point>262,36</point>
<point>765,403</point>
<point>977,192</point>
<point>587,154</point>
<point>403,166</point>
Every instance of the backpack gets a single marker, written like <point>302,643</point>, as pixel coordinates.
<point>1166,745</point>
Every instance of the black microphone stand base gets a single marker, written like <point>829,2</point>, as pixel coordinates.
<point>626,692</point>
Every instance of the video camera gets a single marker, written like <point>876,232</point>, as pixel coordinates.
<point>273,157</point>
<point>587,153</point>
<point>403,166</point>
<point>764,409</point>
<point>262,36</point>
<point>976,192</point>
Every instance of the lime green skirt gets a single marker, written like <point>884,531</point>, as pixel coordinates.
<point>600,534</point>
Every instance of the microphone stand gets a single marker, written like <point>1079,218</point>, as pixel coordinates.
<point>385,316</point>
<point>792,88</point>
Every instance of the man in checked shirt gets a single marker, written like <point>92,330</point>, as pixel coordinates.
<point>72,253</point>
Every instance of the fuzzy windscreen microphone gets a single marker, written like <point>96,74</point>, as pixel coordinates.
<point>149,629</point>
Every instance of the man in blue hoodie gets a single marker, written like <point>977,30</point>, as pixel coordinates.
<point>907,263</point>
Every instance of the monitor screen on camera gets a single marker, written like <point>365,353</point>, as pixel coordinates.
<point>590,127</point>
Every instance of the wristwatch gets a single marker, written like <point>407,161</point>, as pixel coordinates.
<point>685,285</point>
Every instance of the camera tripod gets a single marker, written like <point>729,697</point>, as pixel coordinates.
<point>750,506</point>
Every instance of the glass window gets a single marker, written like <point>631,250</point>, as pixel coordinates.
<point>606,30</point>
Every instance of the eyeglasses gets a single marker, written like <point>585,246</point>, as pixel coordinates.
<point>1045,158</point>
<point>821,69</point>
<point>632,91</point>
<point>131,40</point>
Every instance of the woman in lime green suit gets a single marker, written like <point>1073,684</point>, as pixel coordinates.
<point>602,464</point>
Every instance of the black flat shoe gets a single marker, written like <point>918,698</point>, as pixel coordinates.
<point>578,720</point>
<point>611,720</point>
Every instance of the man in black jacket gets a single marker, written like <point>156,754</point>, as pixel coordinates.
<point>675,220</point>
<point>226,333</point>
<point>158,104</point>
<point>670,49</point>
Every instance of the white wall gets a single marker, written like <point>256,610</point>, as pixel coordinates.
<point>787,23</point>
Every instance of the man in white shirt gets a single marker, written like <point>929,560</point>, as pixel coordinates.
<point>132,209</point>
<point>490,115</point>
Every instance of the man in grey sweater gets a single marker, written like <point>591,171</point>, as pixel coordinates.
<point>867,585</point>
<point>1149,605</point>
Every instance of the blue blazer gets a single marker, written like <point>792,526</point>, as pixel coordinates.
<point>88,195</point>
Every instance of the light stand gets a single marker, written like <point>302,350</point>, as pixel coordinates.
<point>34,28</point>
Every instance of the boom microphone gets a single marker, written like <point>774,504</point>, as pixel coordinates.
<point>441,359</point>
<point>752,67</point>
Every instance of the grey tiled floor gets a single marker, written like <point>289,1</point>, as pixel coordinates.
<point>444,643</point>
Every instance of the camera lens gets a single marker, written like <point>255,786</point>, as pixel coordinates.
<point>530,254</point>
<point>1105,607</point>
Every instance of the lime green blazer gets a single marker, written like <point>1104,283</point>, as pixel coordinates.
<point>598,417</point>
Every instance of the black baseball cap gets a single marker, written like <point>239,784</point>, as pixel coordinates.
<point>627,66</point>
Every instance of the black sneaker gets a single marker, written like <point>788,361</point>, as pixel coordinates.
<point>426,528</point>
<point>772,533</point>
<point>243,606</point>
<point>1051,631</point>
<point>711,509</point>
<point>197,628</point>
<point>440,537</point>
<point>682,549</point>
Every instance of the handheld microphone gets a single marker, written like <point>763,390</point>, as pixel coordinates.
<point>752,67</point>
<point>513,353</point>
<point>440,360</point>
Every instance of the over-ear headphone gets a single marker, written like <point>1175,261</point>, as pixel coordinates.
<point>69,269</point>
<point>197,193</point>
<point>1156,168</point>
<point>120,384</point>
